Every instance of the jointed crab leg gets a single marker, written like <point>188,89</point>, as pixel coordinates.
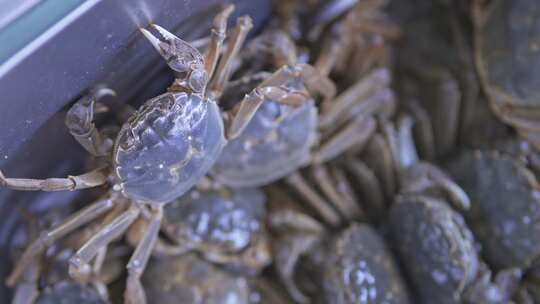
<point>327,213</point>
<point>88,180</point>
<point>223,71</point>
<point>357,132</point>
<point>366,180</point>
<point>216,40</point>
<point>423,176</point>
<point>347,208</point>
<point>80,122</point>
<point>26,292</point>
<point>134,291</point>
<point>359,92</point>
<point>306,234</point>
<point>79,263</point>
<point>47,238</point>
<point>269,89</point>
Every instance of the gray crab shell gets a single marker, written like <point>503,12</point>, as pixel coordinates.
<point>361,269</point>
<point>505,206</point>
<point>269,148</point>
<point>436,248</point>
<point>167,146</point>
<point>225,223</point>
<point>190,279</point>
<point>509,51</point>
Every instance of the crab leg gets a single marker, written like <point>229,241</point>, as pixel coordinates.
<point>357,132</point>
<point>369,186</point>
<point>88,180</point>
<point>268,90</point>
<point>26,292</point>
<point>358,93</point>
<point>346,207</point>
<point>429,176</point>
<point>286,260</point>
<point>47,238</point>
<point>316,82</point>
<point>302,233</point>
<point>223,71</point>
<point>379,156</point>
<point>326,212</point>
<point>79,263</point>
<point>134,291</point>
<point>80,122</point>
<point>216,40</point>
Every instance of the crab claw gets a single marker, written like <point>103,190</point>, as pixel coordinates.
<point>156,43</point>
<point>178,53</point>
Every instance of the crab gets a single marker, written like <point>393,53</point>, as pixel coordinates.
<point>364,33</point>
<point>159,154</point>
<point>361,269</point>
<point>224,226</point>
<point>46,281</point>
<point>506,50</point>
<point>351,266</point>
<point>504,210</point>
<point>283,138</point>
<point>431,238</point>
<point>435,74</point>
<point>361,29</point>
<point>190,279</point>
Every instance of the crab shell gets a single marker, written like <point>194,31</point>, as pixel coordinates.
<point>436,248</point>
<point>167,146</point>
<point>508,52</point>
<point>361,269</point>
<point>270,147</point>
<point>189,279</point>
<point>222,224</point>
<point>505,206</point>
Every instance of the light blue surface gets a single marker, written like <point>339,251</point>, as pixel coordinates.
<point>33,23</point>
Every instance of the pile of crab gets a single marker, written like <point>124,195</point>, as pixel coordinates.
<point>349,152</point>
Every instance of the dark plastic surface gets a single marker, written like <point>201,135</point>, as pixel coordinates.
<point>96,43</point>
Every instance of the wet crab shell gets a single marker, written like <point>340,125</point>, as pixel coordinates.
<point>189,279</point>
<point>217,221</point>
<point>360,269</point>
<point>69,293</point>
<point>509,51</point>
<point>167,146</point>
<point>505,206</point>
<point>435,247</point>
<point>270,147</point>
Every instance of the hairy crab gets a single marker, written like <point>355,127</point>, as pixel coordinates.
<point>506,47</point>
<point>189,279</point>
<point>160,153</point>
<point>353,265</point>
<point>46,280</point>
<point>505,208</point>
<point>433,242</point>
<point>225,226</point>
